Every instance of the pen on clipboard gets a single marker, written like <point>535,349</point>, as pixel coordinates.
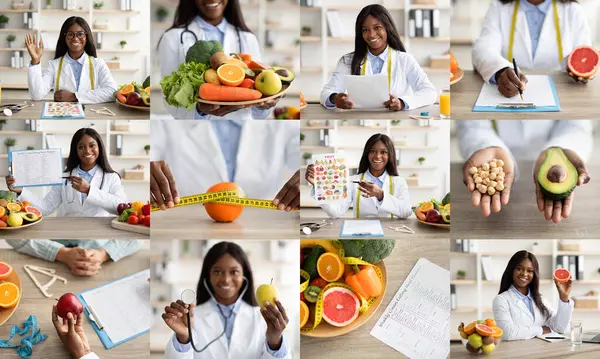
<point>94,317</point>
<point>517,73</point>
<point>554,338</point>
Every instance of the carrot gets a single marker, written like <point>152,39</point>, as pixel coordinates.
<point>213,92</point>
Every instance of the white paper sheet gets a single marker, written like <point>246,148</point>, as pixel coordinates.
<point>37,167</point>
<point>552,335</point>
<point>123,306</point>
<point>538,91</point>
<point>417,320</point>
<point>367,92</point>
<point>362,227</point>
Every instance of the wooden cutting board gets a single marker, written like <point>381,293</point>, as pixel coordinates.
<point>138,228</point>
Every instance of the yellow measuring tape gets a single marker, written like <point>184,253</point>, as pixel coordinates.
<point>363,69</point>
<point>358,195</point>
<point>364,304</point>
<point>60,65</point>
<point>222,197</point>
<point>511,40</point>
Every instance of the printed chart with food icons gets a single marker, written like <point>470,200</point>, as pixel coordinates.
<point>62,110</point>
<point>331,177</point>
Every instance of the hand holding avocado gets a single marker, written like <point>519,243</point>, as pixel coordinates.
<point>556,174</point>
<point>495,201</point>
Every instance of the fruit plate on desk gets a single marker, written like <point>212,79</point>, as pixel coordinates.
<point>441,225</point>
<point>457,75</point>
<point>135,228</point>
<point>245,103</point>
<point>326,330</point>
<point>139,108</point>
<point>6,313</point>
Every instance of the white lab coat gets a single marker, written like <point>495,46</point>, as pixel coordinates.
<point>267,150</point>
<point>524,140</point>
<point>409,82</point>
<point>491,48</point>
<point>41,82</point>
<point>100,202</point>
<point>172,54</point>
<point>397,204</point>
<point>515,320</point>
<point>247,339</point>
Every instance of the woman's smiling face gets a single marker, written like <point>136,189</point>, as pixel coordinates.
<point>226,279</point>
<point>374,33</point>
<point>87,151</point>
<point>523,274</point>
<point>211,9</point>
<point>74,42</point>
<point>378,157</point>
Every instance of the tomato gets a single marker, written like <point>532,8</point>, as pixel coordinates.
<point>132,219</point>
<point>141,219</point>
<point>4,218</point>
<point>3,224</point>
<point>319,282</point>
<point>247,83</point>
<point>302,297</point>
<point>147,221</point>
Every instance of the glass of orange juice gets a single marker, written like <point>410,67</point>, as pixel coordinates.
<point>445,104</point>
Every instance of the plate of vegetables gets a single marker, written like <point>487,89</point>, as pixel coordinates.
<point>344,296</point>
<point>133,217</point>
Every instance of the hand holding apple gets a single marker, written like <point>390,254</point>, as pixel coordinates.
<point>70,330</point>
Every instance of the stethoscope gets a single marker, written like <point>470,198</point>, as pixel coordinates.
<point>12,108</point>
<point>73,200</point>
<point>188,296</point>
<point>308,228</point>
<point>187,30</point>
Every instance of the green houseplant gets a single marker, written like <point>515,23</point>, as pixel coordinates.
<point>3,21</point>
<point>147,149</point>
<point>10,39</point>
<point>421,160</point>
<point>307,156</point>
<point>10,143</point>
<point>302,137</point>
<point>98,5</point>
<point>123,43</point>
<point>461,274</point>
<point>161,14</point>
<point>30,148</point>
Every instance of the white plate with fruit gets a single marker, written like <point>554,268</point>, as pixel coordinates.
<point>133,217</point>
<point>134,96</point>
<point>17,215</point>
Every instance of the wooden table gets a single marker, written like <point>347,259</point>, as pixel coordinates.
<point>521,218</point>
<point>359,343</point>
<point>192,222</point>
<point>577,101</point>
<point>33,302</point>
<point>315,111</point>
<point>532,349</point>
<point>422,231</point>
<point>121,112</point>
<point>71,228</point>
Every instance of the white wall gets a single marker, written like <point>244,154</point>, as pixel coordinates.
<point>133,60</point>
<point>133,147</point>
<point>174,269</point>
<point>469,297</point>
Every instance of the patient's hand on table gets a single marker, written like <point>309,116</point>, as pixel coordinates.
<point>83,262</point>
<point>341,101</point>
<point>484,200</point>
<point>71,333</point>
<point>557,210</point>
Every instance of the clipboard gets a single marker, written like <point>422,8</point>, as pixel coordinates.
<point>102,333</point>
<point>10,168</point>
<point>63,110</point>
<point>371,233</point>
<point>555,108</point>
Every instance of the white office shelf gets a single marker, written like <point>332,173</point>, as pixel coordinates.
<point>13,11</point>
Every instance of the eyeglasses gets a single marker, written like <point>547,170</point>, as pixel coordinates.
<point>80,35</point>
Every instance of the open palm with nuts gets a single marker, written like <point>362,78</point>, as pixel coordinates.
<point>489,175</point>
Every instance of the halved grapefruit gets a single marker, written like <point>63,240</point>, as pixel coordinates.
<point>484,330</point>
<point>470,329</point>
<point>583,61</point>
<point>497,332</point>
<point>340,306</point>
<point>9,295</point>
<point>33,210</point>
<point>5,270</point>
<point>562,275</point>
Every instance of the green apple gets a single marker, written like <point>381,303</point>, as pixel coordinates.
<point>268,83</point>
<point>487,349</point>
<point>266,293</point>
<point>14,220</point>
<point>475,340</point>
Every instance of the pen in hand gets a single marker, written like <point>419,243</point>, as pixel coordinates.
<point>519,77</point>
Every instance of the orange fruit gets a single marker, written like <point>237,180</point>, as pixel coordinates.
<point>426,207</point>
<point>470,329</point>
<point>127,89</point>
<point>330,267</point>
<point>490,322</point>
<point>237,62</point>
<point>447,207</point>
<point>224,212</point>
<point>13,207</point>
<point>231,75</point>
<point>497,332</point>
<point>2,212</point>
<point>453,63</point>
<point>5,270</point>
<point>293,111</point>
<point>9,295</point>
<point>304,313</point>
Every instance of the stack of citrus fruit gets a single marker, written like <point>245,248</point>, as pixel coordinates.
<point>9,292</point>
<point>481,336</point>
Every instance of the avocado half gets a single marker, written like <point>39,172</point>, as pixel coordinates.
<point>557,176</point>
<point>285,75</point>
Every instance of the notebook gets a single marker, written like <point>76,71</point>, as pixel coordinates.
<point>66,110</point>
<point>540,90</point>
<point>550,337</point>
<point>122,308</point>
<point>362,228</point>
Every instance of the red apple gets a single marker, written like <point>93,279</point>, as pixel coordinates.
<point>433,216</point>
<point>68,303</point>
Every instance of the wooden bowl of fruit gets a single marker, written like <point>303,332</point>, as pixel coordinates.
<point>345,302</point>
<point>134,97</point>
<point>434,213</point>
<point>10,287</point>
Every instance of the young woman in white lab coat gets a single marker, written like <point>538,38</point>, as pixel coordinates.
<point>209,20</point>
<point>506,34</point>
<point>75,49</point>
<point>369,199</point>
<point>266,151</point>
<point>226,322</point>
<point>78,197</point>
<point>377,39</point>
<point>519,309</point>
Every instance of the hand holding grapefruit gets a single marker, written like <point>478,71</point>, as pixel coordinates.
<point>583,63</point>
